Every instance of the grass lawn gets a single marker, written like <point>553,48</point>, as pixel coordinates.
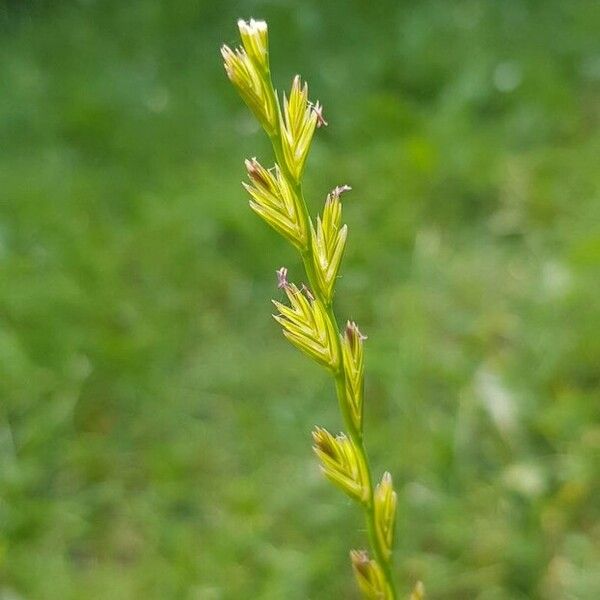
<point>154,424</point>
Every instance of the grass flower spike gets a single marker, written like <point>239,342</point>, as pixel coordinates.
<point>352,349</point>
<point>307,326</point>
<point>329,241</point>
<point>385,513</point>
<point>341,463</point>
<point>274,200</point>
<point>369,576</point>
<point>309,321</point>
<point>248,70</point>
<point>297,127</point>
<point>256,42</point>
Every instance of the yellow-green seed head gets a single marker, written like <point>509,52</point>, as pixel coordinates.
<point>341,463</point>
<point>369,576</point>
<point>276,202</point>
<point>255,38</point>
<point>328,243</point>
<point>352,350</point>
<point>308,326</point>
<point>297,127</point>
<point>252,85</point>
<point>385,500</point>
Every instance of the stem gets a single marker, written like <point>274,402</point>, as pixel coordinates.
<point>356,435</point>
<point>357,440</point>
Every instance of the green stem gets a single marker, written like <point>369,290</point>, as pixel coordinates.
<point>356,435</point>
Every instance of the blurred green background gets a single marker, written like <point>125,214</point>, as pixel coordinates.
<point>154,424</point>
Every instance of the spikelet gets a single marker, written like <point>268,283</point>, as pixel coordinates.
<point>297,127</point>
<point>255,38</point>
<point>251,80</point>
<point>341,464</point>
<point>275,201</point>
<point>369,576</point>
<point>385,500</point>
<point>306,324</point>
<point>352,351</point>
<point>418,592</point>
<point>328,243</point>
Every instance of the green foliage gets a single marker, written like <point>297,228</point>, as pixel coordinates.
<point>145,396</point>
